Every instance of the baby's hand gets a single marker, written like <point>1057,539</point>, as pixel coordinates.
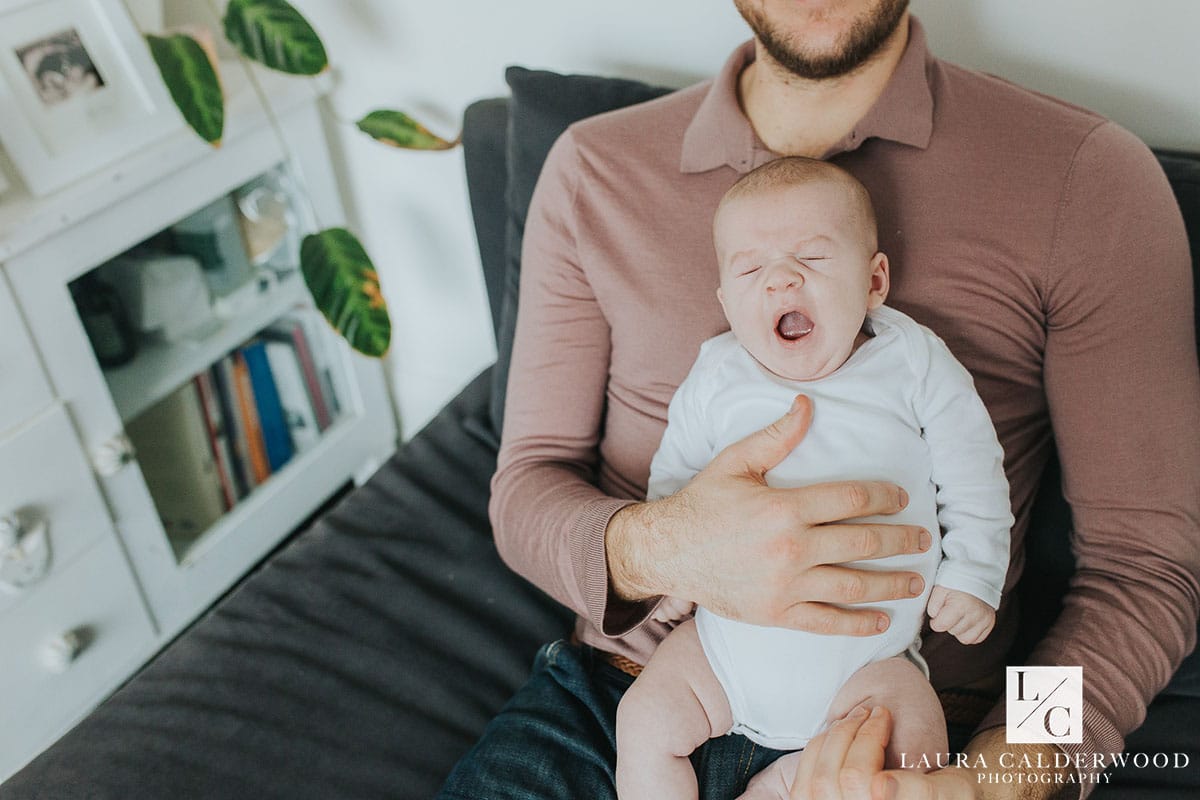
<point>968,618</point>
<point>672,609</point>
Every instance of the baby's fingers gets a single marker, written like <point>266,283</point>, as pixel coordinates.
<point>937,599</point>
<point>944,620</point>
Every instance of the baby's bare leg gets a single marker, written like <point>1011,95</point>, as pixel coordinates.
<point>674,706</point>
<point>918,725</point>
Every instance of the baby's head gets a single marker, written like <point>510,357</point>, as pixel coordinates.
<point>799,265</point>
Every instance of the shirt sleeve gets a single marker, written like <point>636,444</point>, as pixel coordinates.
<point>1123,389</point>
<point>686,446</point>
<point>548,517</point>
<point>974,509</point>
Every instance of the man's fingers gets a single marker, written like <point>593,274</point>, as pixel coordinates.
<point>838,544</point>
<point>764,449</point>
<point>835,584</point>
<point>865,757</point>
<point>830,774</point>
<point>834,502</point>
<point>831,620</point>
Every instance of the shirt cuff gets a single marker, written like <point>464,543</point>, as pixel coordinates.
<point>1100,738</point>
<point>611,615</point>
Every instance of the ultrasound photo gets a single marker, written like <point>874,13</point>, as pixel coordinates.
<point>59,67</point>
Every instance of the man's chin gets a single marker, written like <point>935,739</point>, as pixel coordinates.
<point>855,47</point>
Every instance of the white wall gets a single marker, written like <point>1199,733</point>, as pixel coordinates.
<point>1137,63</point>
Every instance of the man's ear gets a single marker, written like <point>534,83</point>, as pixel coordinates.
<point>880,280</point>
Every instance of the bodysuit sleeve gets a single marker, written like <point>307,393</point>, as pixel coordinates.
<point>686,446</point>
<point>974,509</point>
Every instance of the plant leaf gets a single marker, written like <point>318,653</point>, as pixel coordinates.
<point>192,81</point>
<point>274,33</point>
<point>345,286</point>
<point>398,129</point>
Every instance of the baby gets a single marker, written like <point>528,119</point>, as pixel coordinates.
<point>802,285</point>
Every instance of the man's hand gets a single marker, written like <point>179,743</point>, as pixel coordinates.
<point>845,762</point>
<point>968,618</point>
<point>766,556</point>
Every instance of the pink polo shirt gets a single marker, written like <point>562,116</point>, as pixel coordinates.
<point>1039,240</point>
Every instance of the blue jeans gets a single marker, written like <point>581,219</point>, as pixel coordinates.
<point>556,739</point>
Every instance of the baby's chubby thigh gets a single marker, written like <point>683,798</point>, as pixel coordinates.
<point>675,705</point>
<point>918,724</point>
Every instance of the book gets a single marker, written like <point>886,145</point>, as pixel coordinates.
<point>256,450</point>
<point>271,419</point>
<point>298,410</point>
<point>178,465</point>
<point>217,439</point>
<point>321,343</point>
<point>291,331</point>
<point>239,462</point>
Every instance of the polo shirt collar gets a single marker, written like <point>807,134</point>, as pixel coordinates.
<point>720,135</point>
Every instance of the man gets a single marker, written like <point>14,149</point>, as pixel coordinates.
<point>1041,242</point>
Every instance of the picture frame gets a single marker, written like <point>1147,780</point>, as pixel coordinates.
<point>78,89</point>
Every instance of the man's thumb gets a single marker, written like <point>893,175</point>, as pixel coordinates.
<point>912,784</point>
<point>765,448</point>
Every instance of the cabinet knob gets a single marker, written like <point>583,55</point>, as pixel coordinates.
<point>108,458</point>
<point>60,652</point>
<point>24,553</point>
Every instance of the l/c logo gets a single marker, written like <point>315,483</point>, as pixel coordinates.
<point>1045,704</point>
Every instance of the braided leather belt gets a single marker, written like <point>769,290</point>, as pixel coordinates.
<point>626,665</point>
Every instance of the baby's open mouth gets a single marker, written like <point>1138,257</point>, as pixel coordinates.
<point>793,325</point>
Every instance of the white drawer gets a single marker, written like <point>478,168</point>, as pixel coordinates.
<point>24,389</point>
<point>46,483</point>
<point>42,690</point>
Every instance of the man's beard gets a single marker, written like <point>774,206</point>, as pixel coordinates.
<point>866,36</point>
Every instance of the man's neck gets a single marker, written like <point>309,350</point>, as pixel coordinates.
<point>801,117</point>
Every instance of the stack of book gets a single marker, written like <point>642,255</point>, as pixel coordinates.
<point>213,440</point>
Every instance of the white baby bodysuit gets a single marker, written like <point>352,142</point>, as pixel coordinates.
<point>901,409</point>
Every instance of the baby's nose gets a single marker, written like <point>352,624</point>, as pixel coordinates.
<point>783,278</point>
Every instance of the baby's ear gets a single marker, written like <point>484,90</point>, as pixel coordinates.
<point>721,299</point>
<point>880,281</point>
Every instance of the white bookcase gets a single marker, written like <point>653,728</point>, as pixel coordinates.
<point>115,589</point>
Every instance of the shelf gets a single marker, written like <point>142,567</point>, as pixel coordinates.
<point>189,554</point>
<point>26,221</point>
<point>161,368</point>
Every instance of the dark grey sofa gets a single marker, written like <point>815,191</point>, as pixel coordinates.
<point>366,656</point>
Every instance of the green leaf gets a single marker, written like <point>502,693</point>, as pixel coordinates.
<point>398,129</point>
<point>274,33</point>
<point>192,82</point>
<point>345,286</point>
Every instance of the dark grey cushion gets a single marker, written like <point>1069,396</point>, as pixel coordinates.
<point>543,105</point>
<point>484,156</point>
